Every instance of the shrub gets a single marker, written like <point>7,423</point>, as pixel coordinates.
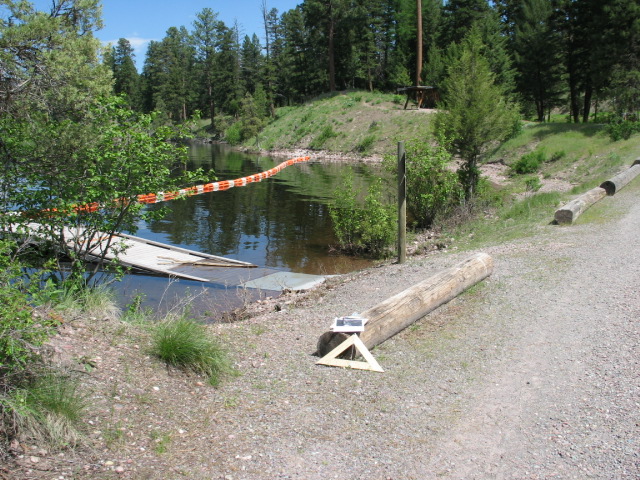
<point>183,343</point>
<point>529,162</point>
<point>622,130</point>
<point>233,134</point>
<point>363,227</point>
<point>533,184</point>
<point>20,332</point>
<point>320,140</point>
<point>433,189</point>
<point>365,144</point>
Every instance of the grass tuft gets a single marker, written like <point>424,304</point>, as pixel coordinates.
<point>49,409</point>
<point>183,343</point>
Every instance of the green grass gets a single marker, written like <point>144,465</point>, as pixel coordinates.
<point>49,409</point>
<point>567,145</point>
<point>351,117</point>
<point>515,220</point>
<point>183,343</point>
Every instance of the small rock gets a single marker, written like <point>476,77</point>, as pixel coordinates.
<point>119,469</point>
<point>108,463</point>
<point>34,459</point>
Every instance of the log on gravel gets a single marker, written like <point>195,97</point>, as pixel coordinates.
<point>399,311</point>
<point>572,210</point>
<point>620,180</point>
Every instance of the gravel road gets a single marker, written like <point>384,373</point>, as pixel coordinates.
<point>532,374</point>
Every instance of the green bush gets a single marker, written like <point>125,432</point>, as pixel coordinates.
<point>529,162</point>
<point>233,134</point>
<point>365,144</point>
<point>318,142</point>
<point>433,189</point>
<point>367,227</point>
<point>183,343</point>
<point>20,332</point>
<point>622,130</point>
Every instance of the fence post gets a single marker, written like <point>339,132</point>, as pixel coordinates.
<point>402,204</point>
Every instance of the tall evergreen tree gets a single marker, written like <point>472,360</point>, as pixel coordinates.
<point>325,18</point>
<point>168,72</point>
<point>250,63</point>
<point>125,73</point>
<point>228,92</point>
<point>475,109</point>
<point>459,16</point>
<point>537,52</point>
<point>206,38</point>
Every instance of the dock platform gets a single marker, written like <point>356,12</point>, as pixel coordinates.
<point>162,259</point>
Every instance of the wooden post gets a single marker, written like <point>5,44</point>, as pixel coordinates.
<point>402,204</point>
<point>418,48</point>
<point>399,311</point>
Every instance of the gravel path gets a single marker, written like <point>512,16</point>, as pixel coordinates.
<point>532,374</point>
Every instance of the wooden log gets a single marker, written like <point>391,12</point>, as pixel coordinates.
<point>399,311</point>
<point>572,210</point>
<point>620,180</point>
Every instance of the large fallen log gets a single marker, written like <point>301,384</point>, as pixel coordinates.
<point>620,180</point>
<point>399,311</point>
<point>572,210</point>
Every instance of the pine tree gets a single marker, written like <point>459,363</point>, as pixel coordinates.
<point>250,62</point>
<point>536,47</point>
<point>125,73</point>
<point>475,109</point>
<point>206,39</point>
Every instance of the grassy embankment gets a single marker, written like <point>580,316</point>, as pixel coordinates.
<point>575,157</point>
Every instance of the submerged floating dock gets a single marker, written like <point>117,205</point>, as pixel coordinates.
<point>162,259</point>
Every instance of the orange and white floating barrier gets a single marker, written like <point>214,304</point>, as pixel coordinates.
<point>198,189</point>
<point>218,186</point>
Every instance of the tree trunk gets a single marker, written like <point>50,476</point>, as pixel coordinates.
<point>419,44</point>
<point>332,65</point>
<point>588,93</point>
<point>212,109</point>
<point>399,311</point>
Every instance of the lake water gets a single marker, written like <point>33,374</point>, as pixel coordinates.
<point>282,222</point>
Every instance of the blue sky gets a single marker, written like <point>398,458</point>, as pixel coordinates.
<point>141,21</point>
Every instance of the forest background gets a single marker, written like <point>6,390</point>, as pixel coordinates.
<point>574,54</point>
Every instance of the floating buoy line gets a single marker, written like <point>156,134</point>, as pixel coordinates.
<point>206,188</point>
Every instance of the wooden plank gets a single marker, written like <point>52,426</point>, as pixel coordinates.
<point>331,359</point>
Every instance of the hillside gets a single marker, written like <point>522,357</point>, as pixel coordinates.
<point>351,123</point>
<point>364,125</point>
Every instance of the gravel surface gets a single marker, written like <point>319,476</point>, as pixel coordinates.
<point>532,374</point>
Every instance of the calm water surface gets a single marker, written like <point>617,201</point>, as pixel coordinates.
<point>282,222</point>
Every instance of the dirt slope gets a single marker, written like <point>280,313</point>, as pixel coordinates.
<point>534,374</point>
